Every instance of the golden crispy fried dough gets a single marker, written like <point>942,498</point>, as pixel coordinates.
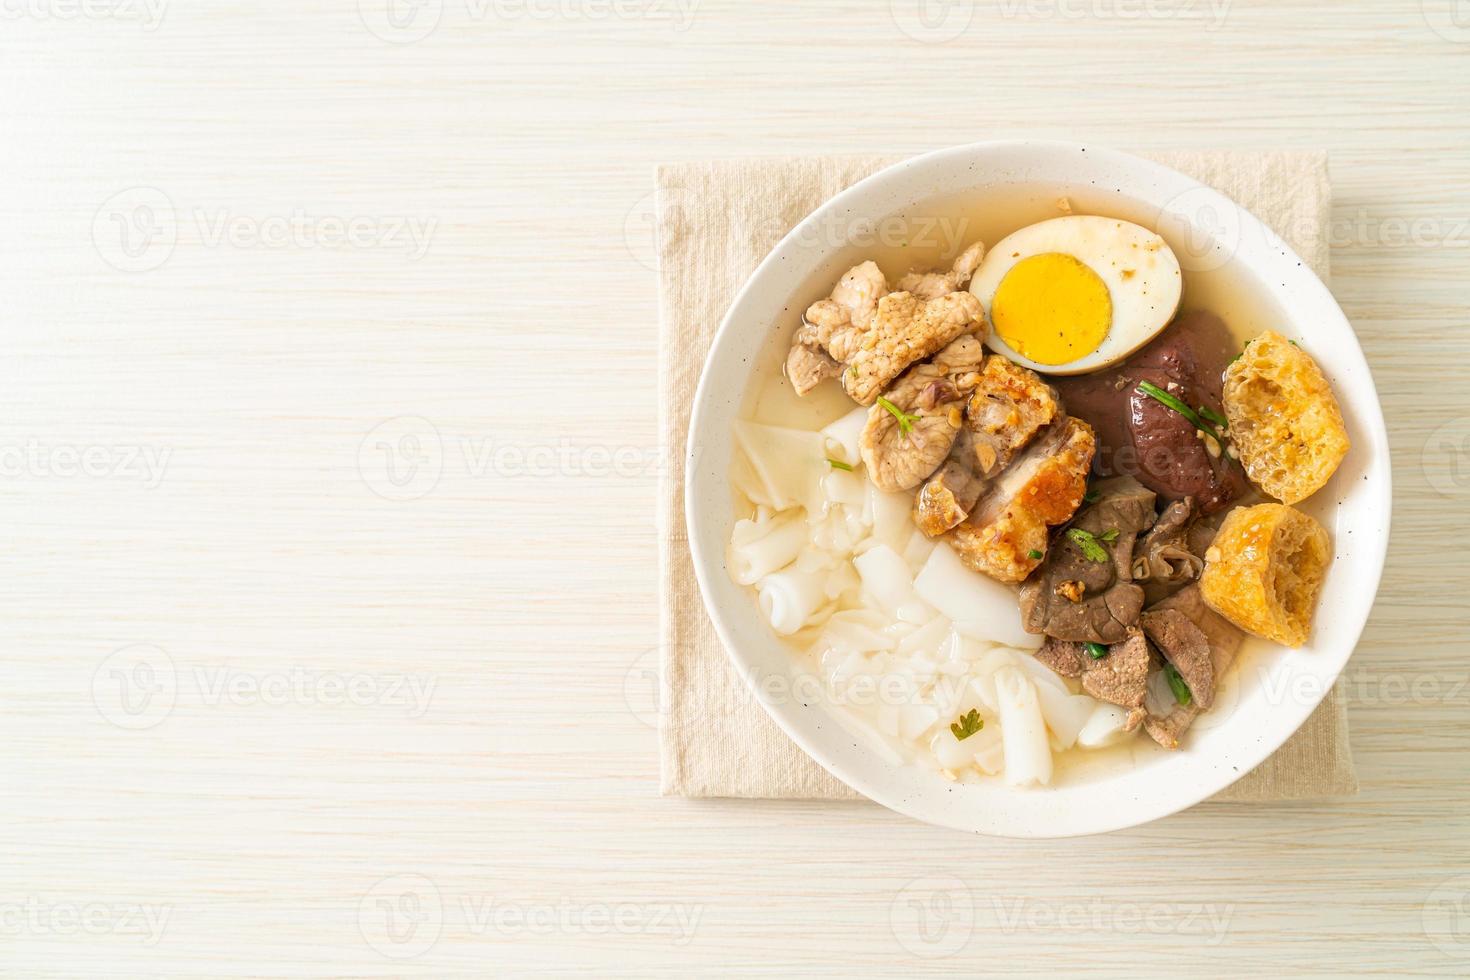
<point>1264,570</point>
<point>1285,423</point>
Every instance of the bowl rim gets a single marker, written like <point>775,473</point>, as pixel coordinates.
<point>1290,265</point>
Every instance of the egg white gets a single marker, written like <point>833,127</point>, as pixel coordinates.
<point>1138,267</point>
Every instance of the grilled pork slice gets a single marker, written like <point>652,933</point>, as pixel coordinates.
<point>911,431</point>
<point>1010,404</point>
<point>1006,535</point>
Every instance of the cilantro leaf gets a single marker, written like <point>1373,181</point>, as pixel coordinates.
<point>1085,541</point>
<point>970,722</point>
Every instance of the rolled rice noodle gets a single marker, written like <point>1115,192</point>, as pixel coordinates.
<point>789,599</point>
<point>759,548</point>
<point>1027,750</point>
<point>844,436</point>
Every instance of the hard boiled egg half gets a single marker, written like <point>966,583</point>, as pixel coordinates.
<point>1077,293</point>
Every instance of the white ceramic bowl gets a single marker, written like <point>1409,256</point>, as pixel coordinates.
<point>1270,701</point>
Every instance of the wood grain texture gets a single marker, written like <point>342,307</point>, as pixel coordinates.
<point>253,787</point>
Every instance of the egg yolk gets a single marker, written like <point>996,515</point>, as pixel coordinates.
<point>1051,308</point>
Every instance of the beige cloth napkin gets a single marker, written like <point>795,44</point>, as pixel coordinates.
<point>716,222</point>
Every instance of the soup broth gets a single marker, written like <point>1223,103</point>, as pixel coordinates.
<point>928,235</point>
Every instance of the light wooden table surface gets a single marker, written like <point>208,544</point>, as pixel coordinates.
<point>327,466</point>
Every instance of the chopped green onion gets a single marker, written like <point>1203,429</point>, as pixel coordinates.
<point>1091,496</point>
<point>1034,555</point>
<point>905,421</point>
<point>970,722</point>
<point>1109,535</point>
<point>1215,417</point>
<point>1164,398</point>
<point>838,464</point>
<point>1084,540</point>
<point>1177,685</point>
<point>1293,343</point>
<point>1095,650</point>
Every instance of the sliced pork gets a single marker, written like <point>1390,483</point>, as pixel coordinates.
<point>910,432</point>
<point>928,285</point>
<point>875,334</point>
